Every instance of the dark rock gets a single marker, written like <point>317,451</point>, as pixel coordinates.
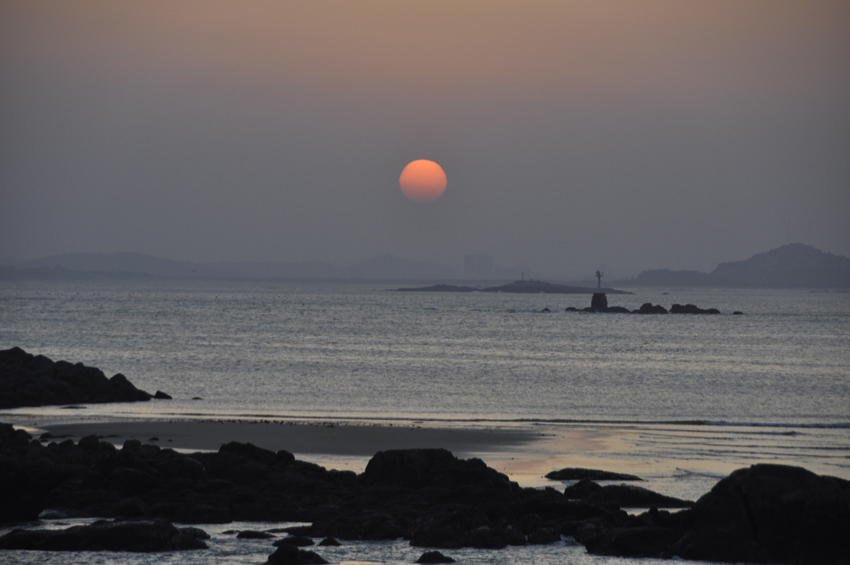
<point>330,541</point>
<point>617,310</point>
<point>623,496</point>
<point>131,445</point>
<point>250,451</point>
<point>431,467</point>
<point>161,395</point>
<point>195,532</point>
<point>770,513</point>
<point>28,380</point>
<point>581,489</point>
<point>737,313</point>
<point>434,557</point>
<point>645,541</point>
<point>649,308</point>
<point>543,536</point>
<point>132,535</point>
<point>691,309</point>
<point>291,555</point>
<point>576,474</point>
<point>89,443</point>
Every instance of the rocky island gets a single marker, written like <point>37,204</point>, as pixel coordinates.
<point>516,287</point>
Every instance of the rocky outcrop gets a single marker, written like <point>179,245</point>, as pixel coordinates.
<point>434,557</point>
<point>762,514</point>
<point>291,555</point>
<point>649,308</point>
<point>691,309</point>
<point>599,303</point>
<point>577,474</point>
<point>622,496</point>
<point>35,380</point>
<point>767,513</point>
<point>140,536</point>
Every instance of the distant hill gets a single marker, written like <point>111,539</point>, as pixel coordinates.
<point>517,287</point>
<point>87,266</point>
<point>791,266</point>
<point>113,263</point>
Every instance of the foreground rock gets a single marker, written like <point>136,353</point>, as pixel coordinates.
<point>622,496</point>
<point>141,536</point>
<point>762,514</point>
<point>291,555</point>
<point>767,513</point>
<point>35,380</point>
<point>577,474</point>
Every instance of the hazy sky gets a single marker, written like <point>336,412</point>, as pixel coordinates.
<point>574,135</point>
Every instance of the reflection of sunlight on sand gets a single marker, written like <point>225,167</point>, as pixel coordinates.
<point>557,448</point>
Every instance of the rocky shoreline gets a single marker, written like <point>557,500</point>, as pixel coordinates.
<point>36,380</point>
<point>764,513</point>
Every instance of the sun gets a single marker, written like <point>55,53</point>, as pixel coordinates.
<point>422,181</point>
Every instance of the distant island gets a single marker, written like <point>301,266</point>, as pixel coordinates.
<point>791,266</point>
<point>516,287</point>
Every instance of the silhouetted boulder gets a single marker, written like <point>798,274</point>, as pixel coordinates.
<point>291,555</point>
<point>576,474</point>
<point>159,395</point>
<point>691,309</point>
<point>623,496</point>
<point>770,513</point>
<point>431,467</point>
<point>649,308</point>
<point>434,557</point>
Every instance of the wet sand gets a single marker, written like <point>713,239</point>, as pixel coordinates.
<point>302,437</point>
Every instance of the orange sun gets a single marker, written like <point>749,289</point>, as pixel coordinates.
<point>422,181</point>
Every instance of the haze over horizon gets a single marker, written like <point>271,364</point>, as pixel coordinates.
<point>574,136</point>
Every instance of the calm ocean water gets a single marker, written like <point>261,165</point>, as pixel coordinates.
<point>694,395</point>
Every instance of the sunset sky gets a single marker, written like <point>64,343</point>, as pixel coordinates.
<point>574,135</point>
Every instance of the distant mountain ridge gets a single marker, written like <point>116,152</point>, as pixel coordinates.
<point>795,265</point>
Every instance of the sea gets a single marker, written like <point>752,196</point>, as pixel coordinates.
<point>680,399</point>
